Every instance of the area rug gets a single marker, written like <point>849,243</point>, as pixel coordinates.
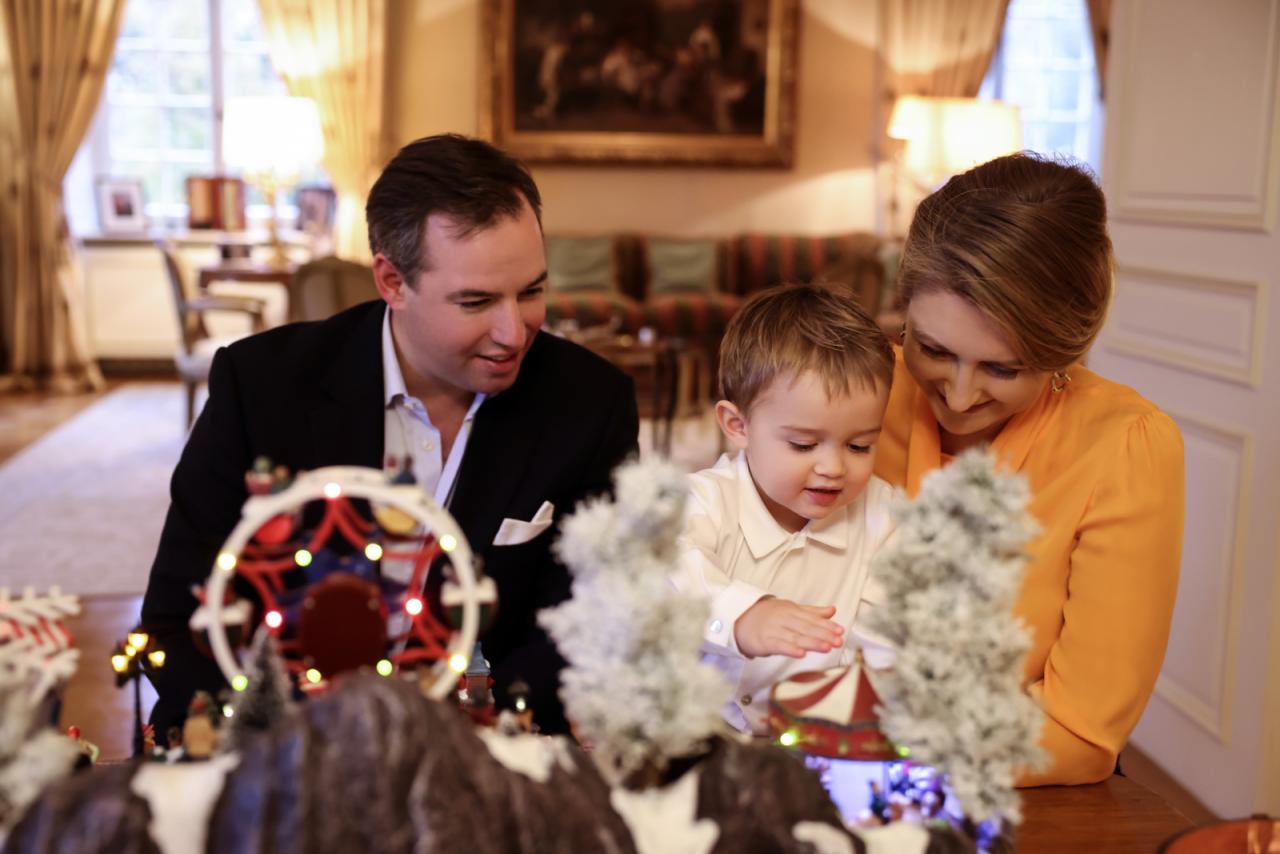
<point>82,507</point>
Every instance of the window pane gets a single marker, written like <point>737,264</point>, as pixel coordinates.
<point>141,19</point>
<point>1061,137</point>
<point>185,19</point>
<point>189,73</point>
<point>249,74</point>
<point>1064,90</point>
<point>1068,39</point>
<point>241,21</point>
<point>1024,40</point>
<point>190,128</point>
<point>134,127</point>
<point>133,72</point>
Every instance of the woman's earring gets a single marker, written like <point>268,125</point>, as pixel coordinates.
<point>902,334</point>
<point>1059,381</point>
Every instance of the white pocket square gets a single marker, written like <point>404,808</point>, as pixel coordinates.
<point>513,532</point>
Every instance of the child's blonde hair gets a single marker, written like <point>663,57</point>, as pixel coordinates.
<point>787,330</point>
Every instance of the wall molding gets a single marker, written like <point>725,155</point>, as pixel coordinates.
<point>1248,374</point>
<point>1251,212</point>
<point>1217,721</point>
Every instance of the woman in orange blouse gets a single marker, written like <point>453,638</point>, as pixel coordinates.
<point>1004,284</point>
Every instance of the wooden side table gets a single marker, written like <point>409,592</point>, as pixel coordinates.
<point>660,358</point>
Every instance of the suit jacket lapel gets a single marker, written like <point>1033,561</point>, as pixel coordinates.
<point>507,429</point>
<point>347,420</point>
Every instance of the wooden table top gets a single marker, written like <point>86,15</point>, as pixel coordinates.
<point>1116,815</point>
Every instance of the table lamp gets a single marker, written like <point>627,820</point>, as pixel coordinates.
<point>945,136</point>
<point>271,140</point>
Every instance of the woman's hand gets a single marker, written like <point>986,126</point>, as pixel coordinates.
<point>775,626</point>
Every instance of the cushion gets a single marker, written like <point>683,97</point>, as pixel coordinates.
<point>681,265</point>
<point>581,264</point>
<point>586,308</point>
<point>691,315</point>
<point>763,260</point>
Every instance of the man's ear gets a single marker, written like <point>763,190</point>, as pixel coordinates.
<point>732,423</point>
<point>391,285</point>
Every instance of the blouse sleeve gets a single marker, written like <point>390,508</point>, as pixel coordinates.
<point>1120,593</point>
<point>698,571</point>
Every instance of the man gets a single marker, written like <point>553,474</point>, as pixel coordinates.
<point>449,369</point>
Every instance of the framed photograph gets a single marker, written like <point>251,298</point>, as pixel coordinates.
<point>121,208</point>
<point>707,83</point>
<point>316,209</point>
<point>216,202</point>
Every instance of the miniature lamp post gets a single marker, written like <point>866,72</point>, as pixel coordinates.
<point>137,654</point>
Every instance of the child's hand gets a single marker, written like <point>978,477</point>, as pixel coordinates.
<point>781,627</point>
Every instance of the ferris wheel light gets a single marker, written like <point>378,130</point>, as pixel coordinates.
<point>274,619</point>
<point>226,562</point>
<point>458,662</point>
<point>302,557</point>
<point>373,551</point>
<point>413,606</point>
<point>384,667</point>
<point>240,682</point>
<point>448,542</point>
<point>313,676</point>
<point>332,490</point>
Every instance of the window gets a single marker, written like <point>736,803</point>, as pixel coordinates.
<point>1044,64</point>
<point>176,62</point>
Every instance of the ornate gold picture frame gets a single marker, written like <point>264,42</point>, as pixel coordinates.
<point>644,82</point>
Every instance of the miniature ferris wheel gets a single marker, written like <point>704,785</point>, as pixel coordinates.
<point>400,592</point>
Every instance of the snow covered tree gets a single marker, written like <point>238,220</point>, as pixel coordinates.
<point>951,576</point>
<point>634,688</point>
<point>267,697</point>
<point>31,756</point>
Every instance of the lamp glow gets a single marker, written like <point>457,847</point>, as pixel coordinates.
<point>119,662</point>
<point>946,136</point>
<point>137,639</point>
<point>156,657</point>
<point>373,551</point>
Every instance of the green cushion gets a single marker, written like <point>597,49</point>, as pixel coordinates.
<point>581,264</point>
<point>681,265</point>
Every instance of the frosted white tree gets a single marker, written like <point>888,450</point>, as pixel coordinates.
<point>951,578</point>
<point>634,688</point>
<point>31,756</point>
<point>266,699</point>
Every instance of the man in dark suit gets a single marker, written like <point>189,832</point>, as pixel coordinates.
<point>508,426</point>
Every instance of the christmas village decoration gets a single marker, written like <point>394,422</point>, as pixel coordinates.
<point>37,655</point>
<point>375,764</point>
<point>137,654</point>
<point>305,560</point>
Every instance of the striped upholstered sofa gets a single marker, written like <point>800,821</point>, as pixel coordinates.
<point>690,287</point>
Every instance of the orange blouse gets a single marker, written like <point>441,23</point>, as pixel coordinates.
<point>1105,468</point>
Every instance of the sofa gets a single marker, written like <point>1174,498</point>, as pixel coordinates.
<point>689,288</point>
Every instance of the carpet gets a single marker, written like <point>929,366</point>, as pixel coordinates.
<point>82,507</point>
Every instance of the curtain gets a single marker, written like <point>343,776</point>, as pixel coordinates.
<point>333,51</point>
<point>1100,29</point>
<point>941,47</point>
<point>54,56</point>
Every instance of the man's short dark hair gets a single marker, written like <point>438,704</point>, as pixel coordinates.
<point>468,180</point>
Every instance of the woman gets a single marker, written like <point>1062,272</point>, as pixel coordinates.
<point>1004,284</point>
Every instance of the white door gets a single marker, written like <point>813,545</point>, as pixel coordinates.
<point>1192,174</point>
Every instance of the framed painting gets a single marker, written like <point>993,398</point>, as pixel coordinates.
<point>695,82</point>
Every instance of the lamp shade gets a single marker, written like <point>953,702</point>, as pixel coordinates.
<point>949,135</point>
<point>275,136</point>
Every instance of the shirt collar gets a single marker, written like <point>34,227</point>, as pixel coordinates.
<point>763,533</point>
<point>393,380</point>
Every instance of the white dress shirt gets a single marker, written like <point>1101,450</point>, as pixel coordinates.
<point>408,429</point>
<point>733,552</point>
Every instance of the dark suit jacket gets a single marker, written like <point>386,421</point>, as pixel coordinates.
<point>308,395</point>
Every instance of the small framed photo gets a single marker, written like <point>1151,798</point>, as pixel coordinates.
<point>121,208</point>
<point>317,206</point>
<point>216,202</point>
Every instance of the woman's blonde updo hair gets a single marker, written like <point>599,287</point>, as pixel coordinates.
<point>1024,239</point>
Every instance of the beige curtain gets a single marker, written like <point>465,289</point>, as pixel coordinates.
<point>1100,29</point>
<point>941,47</point>
<point>333,51</point>
<point>54,56</point>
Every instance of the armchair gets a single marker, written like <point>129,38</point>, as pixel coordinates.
<point>195,345</point>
